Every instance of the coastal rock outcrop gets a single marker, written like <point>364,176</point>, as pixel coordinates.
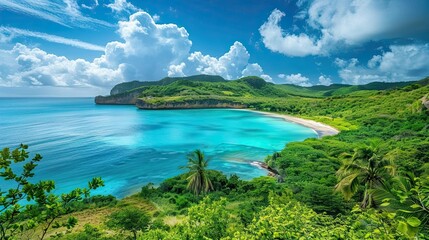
<point>425,101</point>
<point>128,98</point>
<point>190,104</point>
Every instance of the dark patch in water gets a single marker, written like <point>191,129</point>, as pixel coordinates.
<point>120,163</point>
<point>251,130</point>
<point>209,128</point>
<point>147,127</point>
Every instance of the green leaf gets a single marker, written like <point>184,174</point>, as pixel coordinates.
<point>403,228</point>
<point>391,215</point>
<point>415,206</point>
<point>414,222</point>
<point>385,204</point>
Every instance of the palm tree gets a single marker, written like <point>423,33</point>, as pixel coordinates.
<point>198,180</point>
<point>367,167</point>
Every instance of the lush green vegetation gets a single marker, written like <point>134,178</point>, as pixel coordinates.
<point>206,85</point>
<point>47,207</point>
<point>128,86</point>
<point>129,219</point>
<point>371,181</point>
<point>198,179</point>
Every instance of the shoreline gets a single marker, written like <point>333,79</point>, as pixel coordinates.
<point>321,129</point>
<point>272,172</point>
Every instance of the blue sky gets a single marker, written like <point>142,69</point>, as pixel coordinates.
<point>83,48</point>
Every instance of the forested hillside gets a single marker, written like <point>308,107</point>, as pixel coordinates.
<point>206,90</point>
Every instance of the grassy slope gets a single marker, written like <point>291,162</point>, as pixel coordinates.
<point>96,216</point>
<point>245,90</point>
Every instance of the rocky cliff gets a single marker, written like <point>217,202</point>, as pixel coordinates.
<point>425,101</point>
<point>128,98</point>
<point>190,104</point>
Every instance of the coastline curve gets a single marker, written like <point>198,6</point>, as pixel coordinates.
<point>320,128</point>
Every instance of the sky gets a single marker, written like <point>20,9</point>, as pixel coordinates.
<point>75,48</point>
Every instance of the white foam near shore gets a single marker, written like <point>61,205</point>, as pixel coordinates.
<point>320,128</point>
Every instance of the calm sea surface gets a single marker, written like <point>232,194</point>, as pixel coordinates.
<point>129,148</point>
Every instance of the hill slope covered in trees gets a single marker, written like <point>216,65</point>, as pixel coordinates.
<point>212,91</point>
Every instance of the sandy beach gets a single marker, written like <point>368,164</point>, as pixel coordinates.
<point>320,128</point>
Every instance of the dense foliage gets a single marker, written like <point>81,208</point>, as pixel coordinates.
<point>216,85</point>
<point>129,219</point>
<point>130,86</point>
<point>43,208</point>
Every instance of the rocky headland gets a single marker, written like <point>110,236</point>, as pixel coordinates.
<point>189,104</point>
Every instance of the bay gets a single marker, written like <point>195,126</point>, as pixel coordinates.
<point>129,147</point>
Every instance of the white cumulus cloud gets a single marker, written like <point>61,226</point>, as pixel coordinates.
<point>267,78</point>
<point>335,23</point>
<point>24,66</point>
<point>360,21</point>
<point>323,80</point>
<point>177,70</point>
<point>277,40</point>
<point>401,63</point>
<point>231,65</point>
<point>147,51</point>
<point>295,79</point>
<point>148,48</point>
<point>254,69</point>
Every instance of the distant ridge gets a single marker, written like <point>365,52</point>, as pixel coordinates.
<point>342,89</point>
<point>207,91</point>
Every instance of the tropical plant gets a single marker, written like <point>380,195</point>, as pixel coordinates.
<point>286,218</point>
<point>367,168</point>
<point>208,220</point>
<point>408,200</point>
<point>198,179</point>
<point>42,208</point>
<point>130,219</point>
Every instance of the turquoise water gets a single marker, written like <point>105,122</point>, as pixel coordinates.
<point>129,148</point>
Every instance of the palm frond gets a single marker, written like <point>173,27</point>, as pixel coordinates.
<point>349,185</point>
<point>198,180</point>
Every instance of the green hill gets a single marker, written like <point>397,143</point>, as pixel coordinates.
<point>244,87</point>
<point>370,86</point>
<point>340,89</point>
<point>247,91</point>
<point>203,94</point>
<point>201,87</point>
<point>127,86</point>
